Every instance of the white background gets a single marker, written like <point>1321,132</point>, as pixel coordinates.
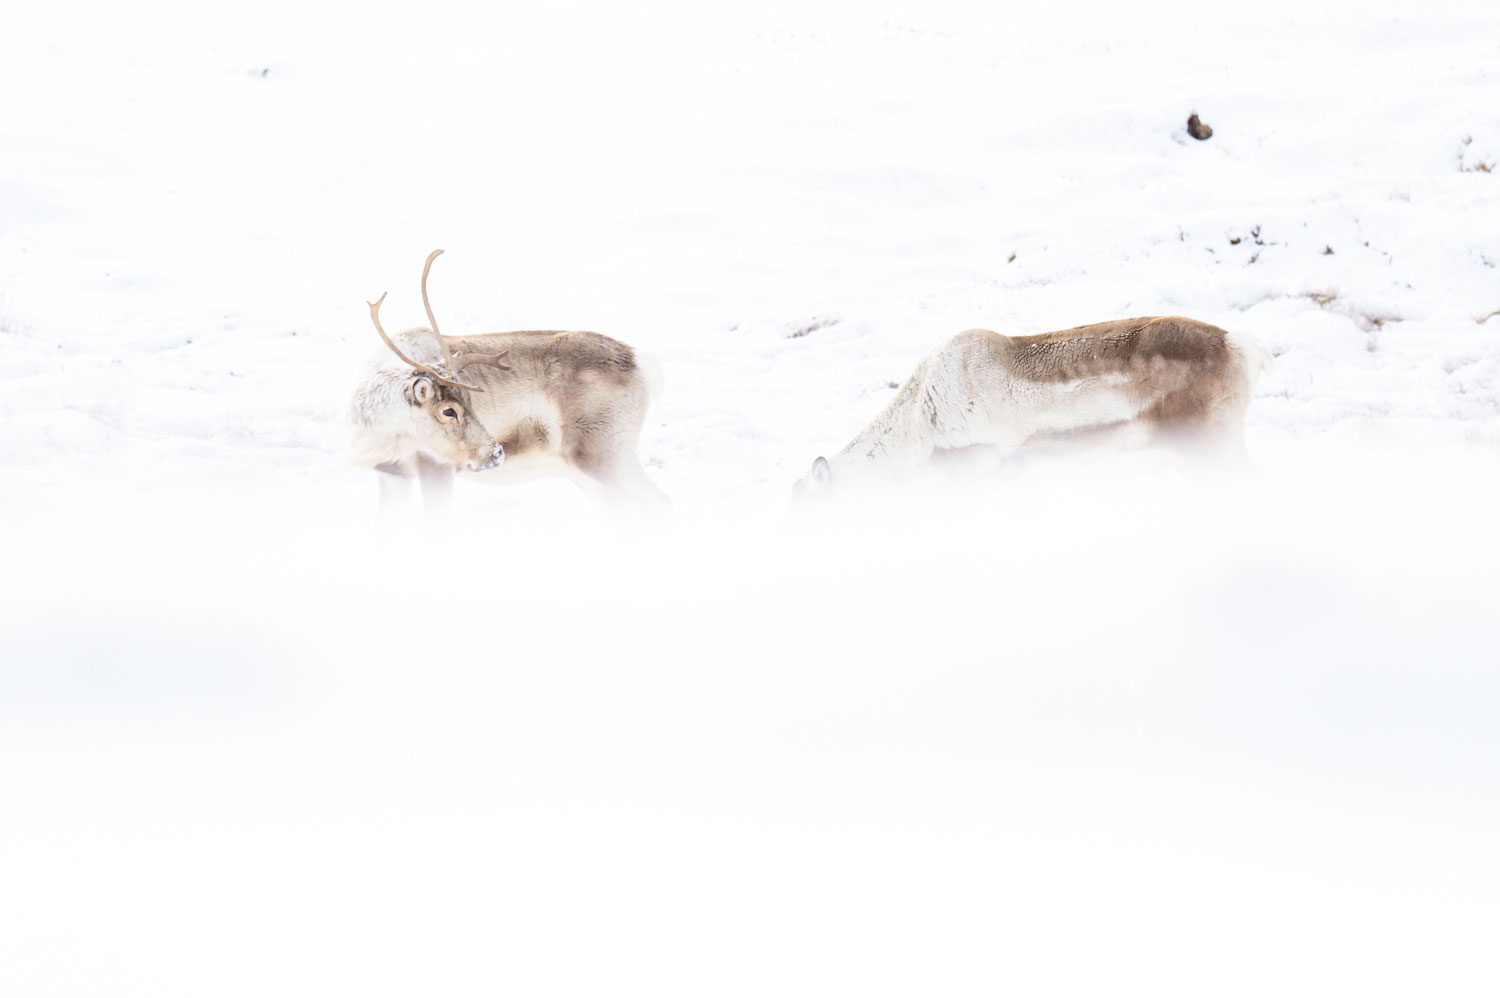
<point>1056,734</point>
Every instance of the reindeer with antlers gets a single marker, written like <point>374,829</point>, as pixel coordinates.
<point>542,402</point>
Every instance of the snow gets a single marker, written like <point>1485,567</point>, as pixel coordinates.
<point>1078,731</point>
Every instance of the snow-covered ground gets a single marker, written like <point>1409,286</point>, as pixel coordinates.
<point>1064,734</point>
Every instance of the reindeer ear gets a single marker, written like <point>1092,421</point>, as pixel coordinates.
<point>420,390</point>
<point>821,474</point>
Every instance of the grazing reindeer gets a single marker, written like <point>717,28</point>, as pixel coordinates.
<point>541,402</point>
<point>1163,378</point>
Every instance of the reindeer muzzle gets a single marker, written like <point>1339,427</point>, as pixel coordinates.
<point>497,454</point>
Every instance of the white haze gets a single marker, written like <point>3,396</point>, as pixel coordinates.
<point>1087,727</point>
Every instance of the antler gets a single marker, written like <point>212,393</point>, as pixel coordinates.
<point>450,362</point>
<point>431,321</point>
<point>464,360</point>
<point>437,375</point>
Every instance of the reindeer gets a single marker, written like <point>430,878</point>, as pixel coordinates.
<point>1163,378</point>
<point>541,402</point>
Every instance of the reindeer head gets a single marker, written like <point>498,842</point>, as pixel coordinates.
<point>437,418</point>
<point>447,427</point>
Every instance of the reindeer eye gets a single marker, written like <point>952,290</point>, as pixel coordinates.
<point>450,413</point>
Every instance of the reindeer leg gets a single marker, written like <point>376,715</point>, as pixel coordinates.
<point>395,478</point>
<point>643,490</point>
<point>437,488</point>
<point>622,484</point>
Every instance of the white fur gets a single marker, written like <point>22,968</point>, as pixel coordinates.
<point>384,427</point>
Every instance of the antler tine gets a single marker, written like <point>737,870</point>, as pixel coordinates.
<point>375,318</point>
<point>464,360</point>
<point>431,320</point>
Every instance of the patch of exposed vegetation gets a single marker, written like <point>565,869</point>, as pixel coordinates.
<point>812,326</point>
<point>1476,165</point>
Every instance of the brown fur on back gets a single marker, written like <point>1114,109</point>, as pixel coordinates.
<point>1180,365</point>
<point>1121,345</point>
<point>562,352</point>
<point>568,364</point>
